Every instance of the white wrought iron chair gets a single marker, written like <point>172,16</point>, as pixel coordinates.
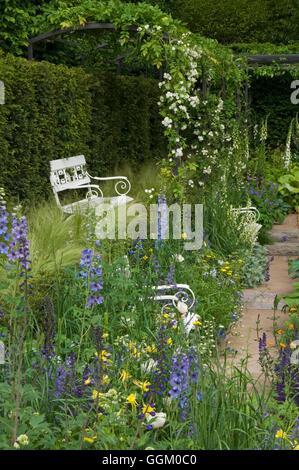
<point>71,174</point>
<point>249,217</point>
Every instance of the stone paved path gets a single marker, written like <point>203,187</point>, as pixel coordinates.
<point>258,303</point>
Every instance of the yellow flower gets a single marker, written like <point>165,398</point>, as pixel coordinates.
<point>145,258</point>
<point>96,395</point>
<point>282,345</point>
<point>197,323</point>
<point>291,326</point>
<point>279,332</point>
<point>184,236</point>
<point>293,309</point>
<point>147,410</point>
<point>280,434</point>
<point>124,375</point>
<point>106,379</point>
<point>151,349</point>
<point>103,356</point>
<point>105,335</point>
<point>169,341</point>
<point>143,385</point>
<point>131,399</point>
<point>296,447</point>
<point>87,381</point>
<point>89,440</point>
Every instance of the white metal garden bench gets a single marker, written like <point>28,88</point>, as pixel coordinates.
<point>249,217</point>
<point>71,174</point>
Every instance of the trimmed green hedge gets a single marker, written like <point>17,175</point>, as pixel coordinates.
<point>126,125</point>
<point>228,21</point>
<point>54,112</point>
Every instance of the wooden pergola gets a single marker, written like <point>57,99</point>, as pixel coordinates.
<point>260,59</point>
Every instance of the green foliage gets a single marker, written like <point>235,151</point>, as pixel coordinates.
<point>255,267</point>
<point>289,186</point>
<point>271,97</point>
<point>238,20</point>
<point>46,116</point>
<point>16,17</point>
<point>126,126</point>
<point>264,195</point>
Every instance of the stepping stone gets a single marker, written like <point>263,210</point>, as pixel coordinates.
<point>260,300</point>
<point>284,249</point>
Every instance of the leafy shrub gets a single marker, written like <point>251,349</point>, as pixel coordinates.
<point>289,186</point>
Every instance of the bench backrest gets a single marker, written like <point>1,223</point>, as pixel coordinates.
<point>68,173</point>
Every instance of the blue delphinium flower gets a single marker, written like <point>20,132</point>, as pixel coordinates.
<point>92,272</point>
<point>184,373</point>
<point>19,243</point>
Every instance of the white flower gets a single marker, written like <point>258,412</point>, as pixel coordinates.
<point>16,445</point>
<point>179,258</point>
<point>157,421</point>
<point>207,170</point>
<point>182,307</point>
<point>23,440</point>
<point>167,76</point>
<point>294,344</point>
<point>148,366</point>
<point>167,122</point>
<point>179,152</point>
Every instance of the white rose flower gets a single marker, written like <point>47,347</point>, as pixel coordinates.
<point>179,152</point>
<point>167,122</point>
